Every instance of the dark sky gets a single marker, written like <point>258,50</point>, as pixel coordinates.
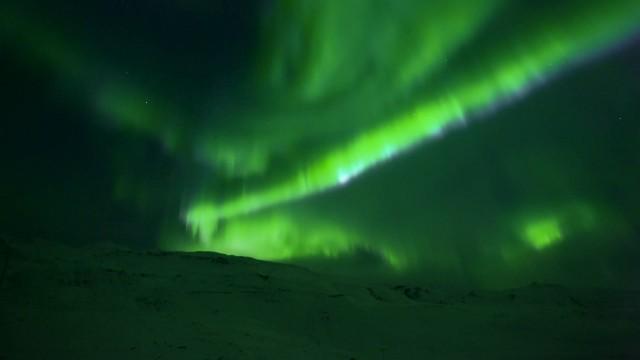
<point>120,119</point>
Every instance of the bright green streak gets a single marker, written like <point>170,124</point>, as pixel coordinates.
<point>506,74</point>
<point>282,236</point>
<point>279,236</point>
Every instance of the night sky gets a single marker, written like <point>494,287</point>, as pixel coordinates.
<point>491,143</point>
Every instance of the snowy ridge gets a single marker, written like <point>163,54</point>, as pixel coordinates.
<point>58,302</point>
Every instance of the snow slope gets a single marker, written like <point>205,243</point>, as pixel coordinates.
<point>106,302</point>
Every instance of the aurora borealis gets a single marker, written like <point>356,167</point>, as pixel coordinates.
<point>488,142</point>
<point>498,80</point>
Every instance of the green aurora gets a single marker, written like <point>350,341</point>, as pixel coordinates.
<point>499,79</point>
<point>333,91</point>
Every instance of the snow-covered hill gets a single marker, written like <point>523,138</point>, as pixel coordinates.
<point>106,302</point>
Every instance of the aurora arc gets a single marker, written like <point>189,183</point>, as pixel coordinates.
<point>440,95</point>
<point>507,74</point>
